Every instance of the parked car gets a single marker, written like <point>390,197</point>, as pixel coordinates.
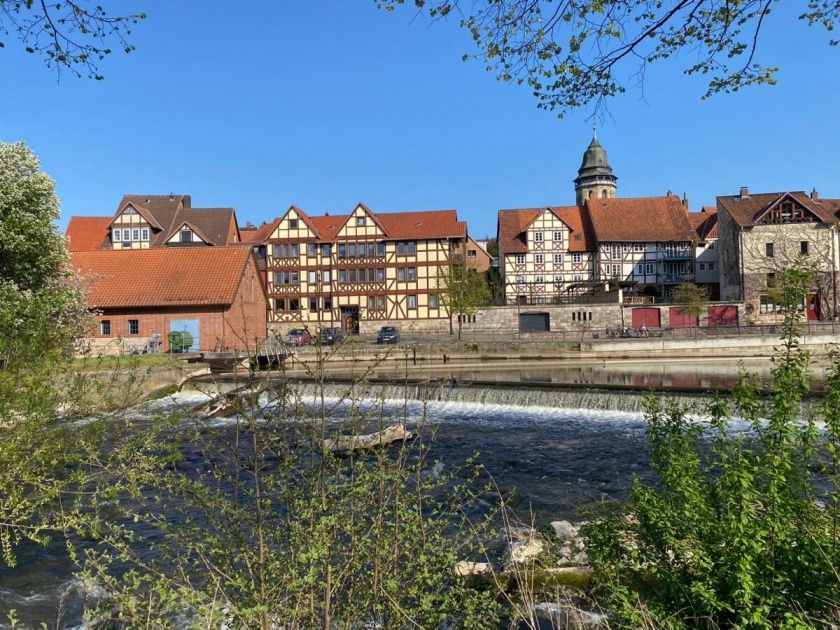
<point>331,336</point>
<point>388,334</point>
<point>298,337</point>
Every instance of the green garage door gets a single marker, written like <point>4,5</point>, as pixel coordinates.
<point>534,322</point>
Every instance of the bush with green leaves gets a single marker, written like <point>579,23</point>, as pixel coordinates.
<point>740,528</point>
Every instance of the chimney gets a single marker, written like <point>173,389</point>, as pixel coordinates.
<point>685,201</point>
<point>745,192</point>
<point>171,196</point>
<point>815,196</point>
<point>669,193</point>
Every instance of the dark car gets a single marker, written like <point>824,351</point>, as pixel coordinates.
<point>331,336</point>
<point>388,334</point>
<point>298,337</point>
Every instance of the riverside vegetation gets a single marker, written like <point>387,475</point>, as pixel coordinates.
<point>177,521</point>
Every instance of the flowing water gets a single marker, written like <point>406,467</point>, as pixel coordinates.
<point>556,450</point>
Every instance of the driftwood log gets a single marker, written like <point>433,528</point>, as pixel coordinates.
<point>351,443</point>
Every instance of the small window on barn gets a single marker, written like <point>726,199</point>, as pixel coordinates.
<point>768,250</point>
<point>133,326</point>
<point>803,247</point>
<point>105,327</point>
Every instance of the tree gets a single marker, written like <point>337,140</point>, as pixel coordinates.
<point>463,290</point>
<point>41,313</point>
<point>574,53</point>
<point>68,34</point>
<point>691,299</point>
<point>740,528</point>
<point>493,247</point>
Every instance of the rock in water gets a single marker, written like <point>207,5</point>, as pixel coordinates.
<point>351,443</point>
<point>465,568</point>
<point>525,550</point>
<point>567,616</point>
<point>564,530</point>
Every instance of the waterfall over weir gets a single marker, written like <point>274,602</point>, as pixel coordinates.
<point>494,395</point>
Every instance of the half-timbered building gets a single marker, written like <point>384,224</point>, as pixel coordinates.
<point>361,270</point>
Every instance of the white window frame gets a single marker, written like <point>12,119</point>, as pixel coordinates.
<point>519,259</point>
<point>411,302</point>
<point>539,237</point>
<point>539,259</point>
<point>117,235</point>
<point>558,259</point>
<point>557,236</point>
<point>638,247</point>
<point>577,258</point>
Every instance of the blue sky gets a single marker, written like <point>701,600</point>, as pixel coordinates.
<point>327,103</point>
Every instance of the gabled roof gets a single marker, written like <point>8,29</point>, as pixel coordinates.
<point>215,226</point>
<point>161,207</point>
<point>428,224</point>
<point>748,209</point>
<point>705,223</point>
<point>640,219</point>
<point>513,226</point>
<point>142,278</point>
<point>87,233</point>
<point>141,210</point>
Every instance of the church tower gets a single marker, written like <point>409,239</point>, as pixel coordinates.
<point>595,175</point>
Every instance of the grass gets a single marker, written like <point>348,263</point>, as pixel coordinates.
<point>132,361</point>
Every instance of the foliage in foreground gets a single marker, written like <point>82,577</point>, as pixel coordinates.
<point>741,529</point>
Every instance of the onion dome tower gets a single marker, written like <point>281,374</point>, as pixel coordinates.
<point>595,175</point>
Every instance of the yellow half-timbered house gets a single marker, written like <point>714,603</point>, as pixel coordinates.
<point>361,270</point>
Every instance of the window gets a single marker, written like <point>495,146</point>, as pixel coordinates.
<point>351,250</point>
<point>768,305</point>
<point>616,252</point>
<point>326,249</point>
<point>294,304</point>
<point>539,259</point>
<point>558,237</point>
<point>520,279</point>
<point>342,275</point>
<point>412,302</point>
<point>380,275</point>
<point>144,234</point>
<point>286,250</point>
<point>650,269</point>
<point>313,304</point>
<point>576,258</point>
<point>702,266</point>
<point>638,247</point>
<point>133,326</point>
<point>361,221</point>
<point>640,269</point>
<point>406,248</point>
<point>312,249</point>
<point>616,271</point>
<point>186,236</point>
<point>558,259</point>
<point>578,277</point>
<point>135,234</point>
<point>105,327</point>
<point>712,245</point>
<point>380,249</point>
<point>771,280</point>
<point>407,274</point>
<point>520,259</point>
<point>351,275</point>
<point>803,247</point>
<point>768,250</point>
<point>434,301</point>
<point>313,277</point>
<point>325,276</point>
<point>539,279</point>
<point>471,253</point>
<point>342,250</point>
<point>371,250</point>
<point>327,304</point>
<point>711,266</point>
<point>558,279</point>
<point>538,237</point>
<point>293,224</point>
<point>117,235</point>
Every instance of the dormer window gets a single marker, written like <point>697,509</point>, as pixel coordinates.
<point>186,235</point>
<point>117,236</point>
<point>361,221</point>
<point>293,224</point>
<point>144,234</point>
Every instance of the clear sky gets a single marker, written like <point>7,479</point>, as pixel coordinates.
<point>324,103</point>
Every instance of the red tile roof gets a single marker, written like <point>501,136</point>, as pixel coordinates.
<point>428,224</point>
<point>86,233</point>
<point>746,210</point>
<point>142,278</point>
<point>640,219</point>
<point>513,225</point>
<point>705,223</point>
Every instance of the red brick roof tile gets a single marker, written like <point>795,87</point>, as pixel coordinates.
<point>705,223</point>
<point>86,233</point>
<point>640,219</point>
<point>142,278</point>
<point>513,225</point>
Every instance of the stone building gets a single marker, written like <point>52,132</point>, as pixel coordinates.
<point>360,270</point>
<point>762,234</point>
<point>552,254</point>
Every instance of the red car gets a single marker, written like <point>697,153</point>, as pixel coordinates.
<point>298,337</point>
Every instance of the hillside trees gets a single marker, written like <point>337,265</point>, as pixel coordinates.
<point>574,53</point>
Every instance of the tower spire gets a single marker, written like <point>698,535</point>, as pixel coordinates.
<point>595,176</point>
